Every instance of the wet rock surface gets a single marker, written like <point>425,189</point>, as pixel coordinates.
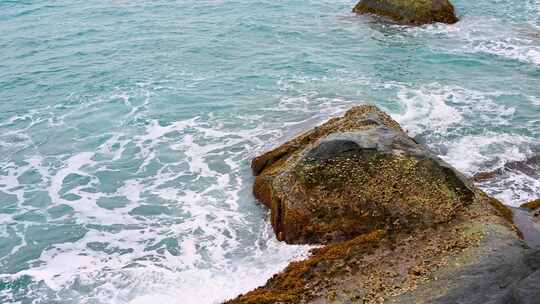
<point>527,291</point>
<point>527,218</point>
<point>409,12</point>
<point>529,167</point>
<point>400,225</point>
<point>529,224</point>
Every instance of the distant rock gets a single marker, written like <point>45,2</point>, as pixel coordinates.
<point>410,12</point>
<point>485,175</point>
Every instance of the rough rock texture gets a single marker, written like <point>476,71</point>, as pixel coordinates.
<point>527,291</point>
<point>453,245</point>
<point>411,12</point>
<point>414,230</point>
<point>475,258</point>
<point>354,175</point>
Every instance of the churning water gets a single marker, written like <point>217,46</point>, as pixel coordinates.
<point>127,127</point>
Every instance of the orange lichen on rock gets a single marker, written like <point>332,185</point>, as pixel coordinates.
<point>401,226</point>
<point>502,210</point>
<point>292,284</point>
<point>378,265</point>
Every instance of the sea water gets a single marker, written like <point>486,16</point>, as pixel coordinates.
<point>127,128</point>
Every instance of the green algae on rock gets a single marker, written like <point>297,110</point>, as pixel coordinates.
<point>410,12</point>
<point>354,175</point>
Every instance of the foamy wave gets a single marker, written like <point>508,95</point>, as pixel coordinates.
<point>426,109</point>
<point>442,116</point>
<point>489,36</point>
<point>514,188</point>
<point>519,49</point>
<point>489,151</point>
<point>162,213</point>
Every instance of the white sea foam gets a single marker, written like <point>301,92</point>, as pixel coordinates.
<point>73,165</point>
<point>519,49</point>
<point>426,109</point>
<point>515,188</point>
<point>473,153</point>
<point>480,34</point>
<point>197,270</point>
<point>4,219</point>
<point>443,116</point>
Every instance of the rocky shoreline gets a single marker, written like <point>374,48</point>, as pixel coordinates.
<point>399,225</point>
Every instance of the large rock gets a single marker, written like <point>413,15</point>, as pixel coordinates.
<point>412,12</point>
<point>354,175</point>
<point>414,230</point>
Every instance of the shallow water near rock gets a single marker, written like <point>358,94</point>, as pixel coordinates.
<point>126,129</point>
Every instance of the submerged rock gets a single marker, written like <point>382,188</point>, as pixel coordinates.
<point>354,175</point>
<point>413,12</point>
<point>529,167</point>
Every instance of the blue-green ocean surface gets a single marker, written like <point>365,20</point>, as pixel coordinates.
<point>127,127</point>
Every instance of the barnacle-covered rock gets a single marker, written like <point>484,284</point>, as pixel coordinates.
<point>354,175</point>
<point>400,225</point>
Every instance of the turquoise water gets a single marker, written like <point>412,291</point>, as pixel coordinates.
<point>126,129</point>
